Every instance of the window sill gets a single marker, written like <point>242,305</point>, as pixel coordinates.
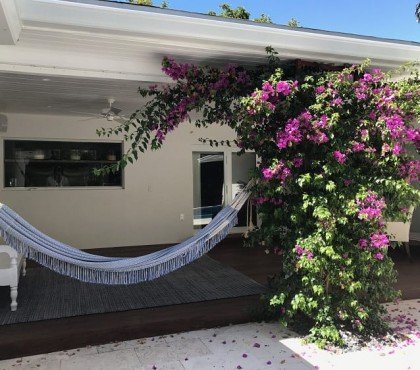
<point>64,188</point>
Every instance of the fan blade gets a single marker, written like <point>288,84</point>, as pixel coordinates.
<point>115,111</point>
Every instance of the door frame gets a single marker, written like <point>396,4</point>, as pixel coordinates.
<point>227,173</point>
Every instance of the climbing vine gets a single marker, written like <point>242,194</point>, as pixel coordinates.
<point>334,165</point>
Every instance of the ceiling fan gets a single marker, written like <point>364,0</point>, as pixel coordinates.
<point>111,112</point>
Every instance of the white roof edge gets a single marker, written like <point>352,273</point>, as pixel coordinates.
<point>122,41</point>
<point>116,5</point>
<point>113,16</point>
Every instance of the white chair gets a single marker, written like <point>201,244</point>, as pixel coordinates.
<point>11,263</point>
<point>400,232</point>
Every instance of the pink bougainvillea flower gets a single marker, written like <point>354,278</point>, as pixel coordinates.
<point>410,170</point>
<point>414,136</point>
<point>363,243</point>
<point>283,88</point>
<point>290,134</point>
<point>378,256</point>
<point>340,157</point>
<point>367,77</point>
<point>397,149</point>
<point>364,134</point>
<point>299,250</point>
<point>297,162</point>
<point>379,240</point>
<point>395,125</point>
<point>268,173</point>
<point>318,138</point>
<point>357,147</point>
<point>347,182</point>
<point>320,89</point>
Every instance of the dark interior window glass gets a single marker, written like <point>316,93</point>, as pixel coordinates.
<point>30,163</point>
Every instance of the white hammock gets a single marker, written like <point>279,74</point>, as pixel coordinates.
<point>66,260</point>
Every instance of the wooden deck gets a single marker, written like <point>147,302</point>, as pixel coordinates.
<point>54,335</point>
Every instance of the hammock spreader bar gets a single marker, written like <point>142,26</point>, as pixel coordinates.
<point>69,261</point>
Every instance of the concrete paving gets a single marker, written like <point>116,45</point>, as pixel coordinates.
<point>251,346</point>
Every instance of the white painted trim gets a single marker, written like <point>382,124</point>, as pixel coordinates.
<point>10,23</point>
<point>103,40</point>
<point>80,72</point>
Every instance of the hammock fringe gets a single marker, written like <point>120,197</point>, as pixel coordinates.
<point>65,260</point>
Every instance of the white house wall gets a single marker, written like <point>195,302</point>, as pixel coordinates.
<point>147,210</point>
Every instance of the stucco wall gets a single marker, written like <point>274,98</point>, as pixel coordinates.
<point>156,191</point>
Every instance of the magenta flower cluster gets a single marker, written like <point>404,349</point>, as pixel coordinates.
<point>270,94</point>
<point>376,242</point>
<point>193,90</point>
<point>339,157</point>
<point>302,252</point>
<point>280,172</point>
<point>370,208</point>
<point>304,126</point>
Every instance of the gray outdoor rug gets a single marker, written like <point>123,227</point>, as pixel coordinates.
<point>45,295</point>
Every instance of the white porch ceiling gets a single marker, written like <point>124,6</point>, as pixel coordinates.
<point>24,93</point>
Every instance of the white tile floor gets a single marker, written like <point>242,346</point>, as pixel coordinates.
<point>251,346</point>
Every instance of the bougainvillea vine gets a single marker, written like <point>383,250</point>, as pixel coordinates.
<point>336,161</point>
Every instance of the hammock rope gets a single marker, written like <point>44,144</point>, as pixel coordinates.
<point>69,261</point>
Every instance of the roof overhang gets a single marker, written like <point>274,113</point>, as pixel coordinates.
<point>68,57</point>
<point>98,39</point>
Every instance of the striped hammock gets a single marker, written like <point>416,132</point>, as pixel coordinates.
<point>66,260</point>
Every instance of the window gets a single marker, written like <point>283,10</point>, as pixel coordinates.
<point>30,163</point>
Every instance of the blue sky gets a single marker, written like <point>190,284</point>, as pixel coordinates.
<point>383,18</point>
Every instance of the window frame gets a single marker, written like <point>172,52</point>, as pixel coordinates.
<point>59,188</point>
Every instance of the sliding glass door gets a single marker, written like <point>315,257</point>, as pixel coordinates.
<point>217,177</point>
<point>209,186</point>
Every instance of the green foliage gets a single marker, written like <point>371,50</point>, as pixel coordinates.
<point>293,22</point>
<point>333,167</point>
<point>228,12</point>
<point>142,2</point>
<point>239,13</point>
<point>263,18</point>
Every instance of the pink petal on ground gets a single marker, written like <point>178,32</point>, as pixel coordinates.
<point>244,355</point>
<point>256,345</point>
